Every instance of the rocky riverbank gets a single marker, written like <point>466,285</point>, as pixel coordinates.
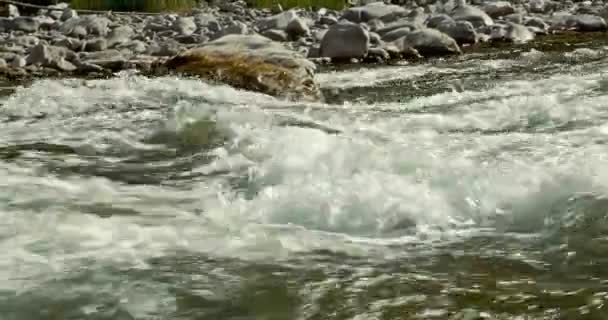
<point>58,41</point>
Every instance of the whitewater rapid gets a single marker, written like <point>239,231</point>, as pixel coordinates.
<point>114,173</point>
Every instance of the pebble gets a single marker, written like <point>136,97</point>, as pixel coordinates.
<point>59,38</point>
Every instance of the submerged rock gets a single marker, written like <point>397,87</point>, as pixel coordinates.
<point>580,22</point>
<point>429,42</point>
<point>250,62</point>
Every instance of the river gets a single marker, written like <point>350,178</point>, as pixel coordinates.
<point>463,189</point>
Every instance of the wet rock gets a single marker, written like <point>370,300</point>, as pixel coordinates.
<point>55,14</point>
<point>400,49</point>
<point>472,14</point>
<point>25,24</point>
<point>377,54</point>
<point>251,62</point>
<point>184,26</point>
<point>518,33</point>
<point>275,35</point>
<point>296,28</point>
<point>582,23</point>
<point>372,11</point>
<point>327,20</point>
<point>461,31</point>
<point>98,44</point>
<point>429,42</point>
<point>345,40</point>
<point>88,67</point>
<point>535,22</point>
<point>120,35</point>
<point>115,64</point>
<point>374,38</point>
<point>375,24</point>
<point>498,9</point>
<point>319,34</point>
<point>52,57</point>
<point>110,54</point>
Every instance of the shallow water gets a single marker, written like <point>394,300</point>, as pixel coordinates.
<point>457,190</point>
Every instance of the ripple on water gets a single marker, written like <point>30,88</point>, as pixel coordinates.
<point>175,198</point>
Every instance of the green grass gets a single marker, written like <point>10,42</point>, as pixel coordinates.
<point>134,5</point>
<point>286,4</point>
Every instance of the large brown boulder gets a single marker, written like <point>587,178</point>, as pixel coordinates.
<point>251,62</point>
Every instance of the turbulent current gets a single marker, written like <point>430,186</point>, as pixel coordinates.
<point>459,189</point>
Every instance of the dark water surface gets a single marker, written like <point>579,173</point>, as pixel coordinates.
<point>447,190</point>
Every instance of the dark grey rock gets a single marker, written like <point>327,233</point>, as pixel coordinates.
<point>582,23</point>
<point>372,11</point>
<point>279,21</point>
<point>472,14</point>
<point>434,21</point>
<point>25,24</point>
<point>396,34</point>
<point>87,67</point>
<point>497,9</point>
<point>327,20</point>
<point>69,43</point>
<point>98,44</point>
<point>461,31</point>
<point>52,57</point>
<point>378,54</point>
<point>135,46</point>
<point>345,40</point>
<point>92,24</point>
<point>297,27</point>
<point>429,42</point>
<point>120,35</point>
<point>68,14</point>
<point>275,35</point>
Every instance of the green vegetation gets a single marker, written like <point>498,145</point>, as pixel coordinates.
<point>330,4</point>
<point>135,5</point>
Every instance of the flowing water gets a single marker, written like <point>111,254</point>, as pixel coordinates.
<point>461,189</point>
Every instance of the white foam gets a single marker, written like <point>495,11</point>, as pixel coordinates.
<point>306,189</point>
